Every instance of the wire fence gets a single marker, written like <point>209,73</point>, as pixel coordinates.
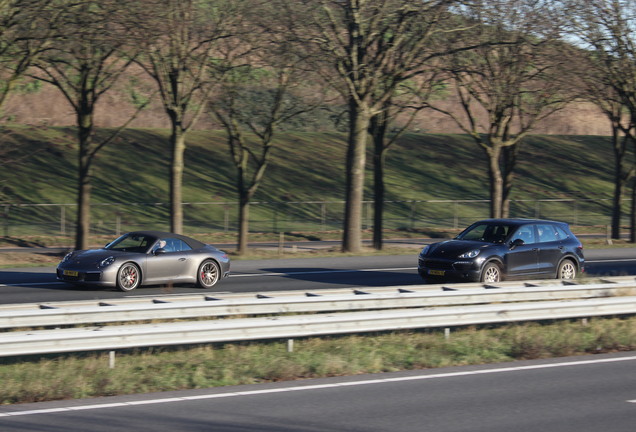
<point>296,216</point>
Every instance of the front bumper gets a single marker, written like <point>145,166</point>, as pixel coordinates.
<point>461,270</point>
<point>84,277</point>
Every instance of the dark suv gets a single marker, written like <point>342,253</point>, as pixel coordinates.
<point>495,249</point>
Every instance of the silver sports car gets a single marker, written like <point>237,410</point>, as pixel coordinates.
<point>146,258</point>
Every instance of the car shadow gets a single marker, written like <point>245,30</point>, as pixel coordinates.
<point>47,280</point>
<point>351,277</point>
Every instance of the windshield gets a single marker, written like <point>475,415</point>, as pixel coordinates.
<point>486,232</point>
<point>132,243</point>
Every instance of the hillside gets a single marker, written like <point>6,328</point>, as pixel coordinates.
<point>305,167</point>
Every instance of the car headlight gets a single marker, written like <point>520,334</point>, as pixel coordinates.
<point>107,261</point>
<point>425,250</point>
<point>470,254</point>
<point>67,257</point>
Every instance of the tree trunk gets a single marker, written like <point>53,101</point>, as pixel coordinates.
<point>83,207</point>
<point>84,133</point>
<point>356,158</point>
<point>496,182</point>
<point>510,159</point>
<point>616,201</point>
<point>619,181</point>
<point>378,131</point>
<point>244,220</point>
<point>177,141</point>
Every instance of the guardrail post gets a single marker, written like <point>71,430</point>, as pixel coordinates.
<point>111,359</point>
<point>290,345</point>
<point>447,333</point>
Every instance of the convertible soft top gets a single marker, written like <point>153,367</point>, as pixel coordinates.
<point>194,244</point>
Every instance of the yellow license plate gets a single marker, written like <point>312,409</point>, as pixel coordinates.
<point>71,273</point>
<point>436,272</point>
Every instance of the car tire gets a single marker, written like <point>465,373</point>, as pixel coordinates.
<point>128,277</point>
<point>491,273</point>
<point>567,270</point>
<point>209,274</point>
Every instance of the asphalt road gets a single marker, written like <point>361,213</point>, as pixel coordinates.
<point>308,274</point>
<point>581,394</point>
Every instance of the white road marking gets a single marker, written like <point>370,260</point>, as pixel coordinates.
<point>320,272</point>
<point>610,260</point>
<point>316,387</point>
<point>255,274</point>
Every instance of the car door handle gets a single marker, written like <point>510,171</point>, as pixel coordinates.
<point>182,259</point>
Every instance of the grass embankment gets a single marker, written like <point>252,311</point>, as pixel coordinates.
<point>152,370</point>
<point>134,172</point>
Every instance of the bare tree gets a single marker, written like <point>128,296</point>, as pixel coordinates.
<point>508,84</point>
<point>605,28</point>
<point>27,28</point>
<point>179,48</point>
<point>261,85</point>
<point>84,65</point>
<point>365,48</point>
<point>385,133</point>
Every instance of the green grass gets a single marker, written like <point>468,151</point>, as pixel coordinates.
<point>134,172</point>
<point>32,379</point>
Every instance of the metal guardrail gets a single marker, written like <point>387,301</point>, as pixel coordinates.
<point>288,315</point>
<point>184,307</point>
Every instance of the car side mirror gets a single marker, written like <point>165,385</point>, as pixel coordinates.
<point>517,242</point>
<point>160,251</point>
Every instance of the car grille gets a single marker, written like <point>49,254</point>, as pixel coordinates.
<point>86,277</point>
<point>435,264</point>
<point>92,277</point>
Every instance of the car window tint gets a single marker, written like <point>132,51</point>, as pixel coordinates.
<point>561,233</point>
<point>497,233</point>
<point>181,246</point>
<point>525,233</point>
<point>175,245</point>
<point>475,233</point>
<point>132,243</point>
<point>547,233</point>
<point>487,232</point>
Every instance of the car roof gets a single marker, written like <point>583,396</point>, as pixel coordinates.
<point>519,221</point>
<point>194,244</point>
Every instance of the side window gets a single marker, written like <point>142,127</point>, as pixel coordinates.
<point>547,233</point>
<point>477,233</point>
<point>525,233</point>
<point>561,234</point>
<point>170,244</point>
<point>180,245</point>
